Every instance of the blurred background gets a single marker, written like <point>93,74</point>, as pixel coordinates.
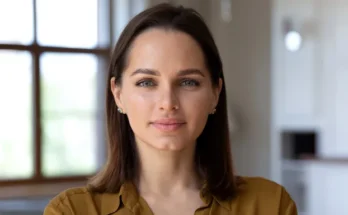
<point>286,69</point>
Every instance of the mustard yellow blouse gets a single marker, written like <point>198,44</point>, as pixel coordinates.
<point>257,196</point>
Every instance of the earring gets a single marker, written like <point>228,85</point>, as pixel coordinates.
<point>120,110</point>
<point>213,112</point>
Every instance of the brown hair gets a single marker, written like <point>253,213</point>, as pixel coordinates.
<point>213,152</point>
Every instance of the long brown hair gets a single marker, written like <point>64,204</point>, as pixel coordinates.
<point>213,152</point>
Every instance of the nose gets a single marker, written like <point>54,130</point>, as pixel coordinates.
<point>169,100</point>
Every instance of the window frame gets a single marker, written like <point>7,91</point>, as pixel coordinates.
<point>105,33</point>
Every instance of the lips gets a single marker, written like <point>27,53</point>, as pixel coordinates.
<point>168,124</point>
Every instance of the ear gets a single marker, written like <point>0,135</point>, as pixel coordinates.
<point>116,92</point>
<point>217,91</point>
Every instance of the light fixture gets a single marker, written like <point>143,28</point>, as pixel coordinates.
<point>292,38</point>
<point>293,41</point>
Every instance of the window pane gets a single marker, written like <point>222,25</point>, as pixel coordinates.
<point>69,113</point>
<point>16,21</point>
<point>71,23</point>
<point>16,146</point>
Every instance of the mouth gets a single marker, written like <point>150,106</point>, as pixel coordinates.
<point>167,125</point>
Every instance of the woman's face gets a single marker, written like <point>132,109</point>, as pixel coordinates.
<point>166,90</point>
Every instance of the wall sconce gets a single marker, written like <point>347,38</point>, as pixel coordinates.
<point>292,38</point>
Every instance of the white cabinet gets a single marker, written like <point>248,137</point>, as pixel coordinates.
<point>318,187</point>
<point>296,75</point>
<point>326,190</point>
<point>334,31</point>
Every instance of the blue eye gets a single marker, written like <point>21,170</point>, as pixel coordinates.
<point>190,83</point>
<point>145,83</point>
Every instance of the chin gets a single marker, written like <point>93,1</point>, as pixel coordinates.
<point>174,143</point>
<point>169,146</point>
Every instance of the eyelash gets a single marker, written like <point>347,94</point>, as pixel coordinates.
<point>140,83</point>
<point>192,83</point>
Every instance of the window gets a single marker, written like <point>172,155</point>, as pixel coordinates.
<point>53,62</point>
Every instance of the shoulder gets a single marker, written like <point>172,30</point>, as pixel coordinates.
<point>81,200</point>
<point>78,193</point>
<point>266,195</point>
<point>66,200</point>
<point>254,185</point>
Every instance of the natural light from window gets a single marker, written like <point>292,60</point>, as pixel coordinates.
<point>16,160</point>
<point>69,23</point>
<point>16,22</point>
<point>68,88</point>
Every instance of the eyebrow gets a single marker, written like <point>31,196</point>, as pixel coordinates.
<point>156,73</point>
<point>146,72</point>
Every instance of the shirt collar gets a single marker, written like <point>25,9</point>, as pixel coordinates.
<point>128,196</point>
<point>224,203</point>
<point>110,203</point>
<point>207,198</point>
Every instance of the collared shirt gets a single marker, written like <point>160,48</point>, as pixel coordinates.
<point>256,196</point>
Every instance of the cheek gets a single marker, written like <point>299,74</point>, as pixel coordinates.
<point>197,102</point>
<point>135,101</point>
<point>138,106</point>
<point>196,107</point>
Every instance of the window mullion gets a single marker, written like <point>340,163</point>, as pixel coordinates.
<point>37,103</point>
<point>37,114</point>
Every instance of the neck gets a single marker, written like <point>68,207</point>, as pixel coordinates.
<point>167,172</point>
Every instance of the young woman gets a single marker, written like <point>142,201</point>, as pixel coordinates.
<point>169,148</point>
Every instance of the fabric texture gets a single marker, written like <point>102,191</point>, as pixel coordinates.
<point>255,196</point>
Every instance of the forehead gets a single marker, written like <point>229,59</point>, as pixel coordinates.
<point>161,48</point>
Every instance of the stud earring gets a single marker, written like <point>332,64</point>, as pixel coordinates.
<point>214,111</point>
<point>120,110</point>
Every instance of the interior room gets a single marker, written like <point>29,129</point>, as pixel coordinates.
<point>286,72</point>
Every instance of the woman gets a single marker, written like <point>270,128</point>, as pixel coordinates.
<point>169,149</point>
